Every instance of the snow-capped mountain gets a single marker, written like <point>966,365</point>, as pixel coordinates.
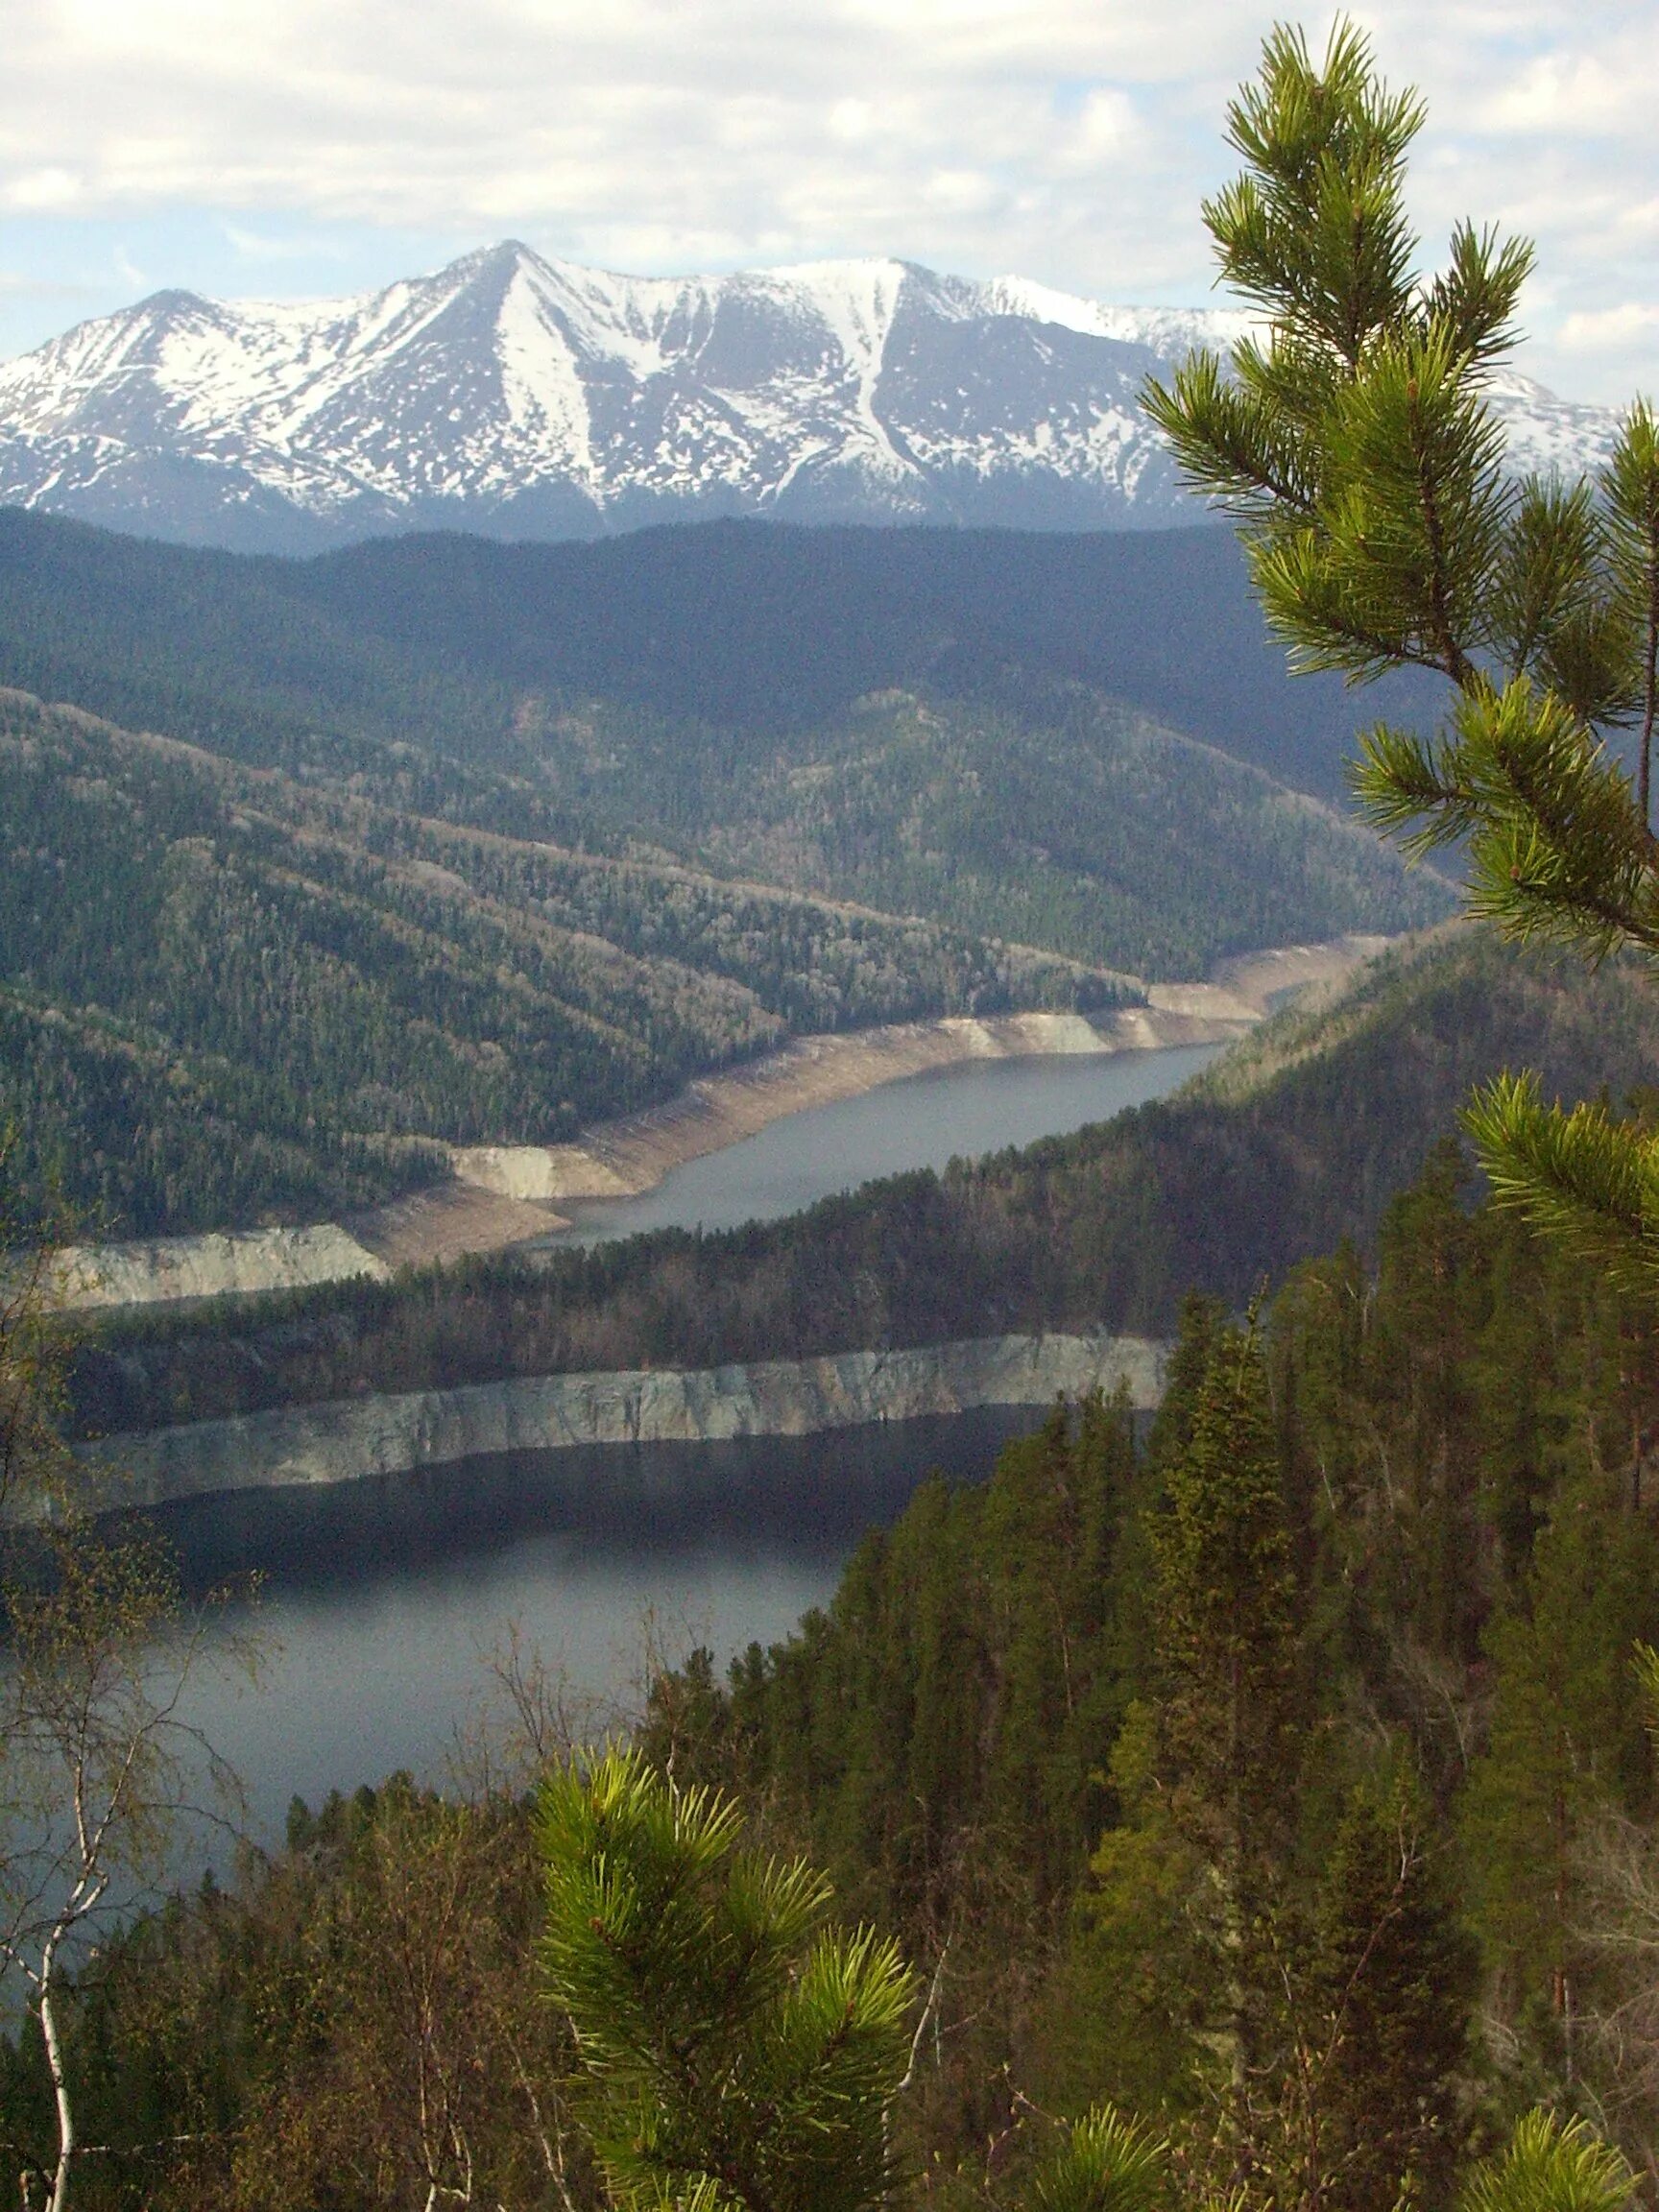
<point>531,398</point>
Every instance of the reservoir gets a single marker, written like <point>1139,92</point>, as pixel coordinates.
<point>382,1600</point>
<point>926,1121</point>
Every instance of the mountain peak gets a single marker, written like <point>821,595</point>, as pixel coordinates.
<point>527,397</point>
<point>173,299</point>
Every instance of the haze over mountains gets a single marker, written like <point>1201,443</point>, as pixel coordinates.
<point>531,399</point>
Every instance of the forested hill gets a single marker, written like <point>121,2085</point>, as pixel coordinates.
<point>759,629</point>
<point>752,783</point>
<point>228,996</point>
<point>1296,1140</point>
<point>1425,1539</point>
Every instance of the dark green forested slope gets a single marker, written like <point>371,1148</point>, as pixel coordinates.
<point>1048,814</point>
<point>817,713</point>
<point>227,995</point>
<point>1424,1515</point>
<point>1297,1141</point>
<point>761,629</point>
<point>991,1738</point>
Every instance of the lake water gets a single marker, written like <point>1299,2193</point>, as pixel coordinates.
<point>925,1122</point>
<point>383,1599</point>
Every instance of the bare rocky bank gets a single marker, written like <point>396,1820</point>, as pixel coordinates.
<point>346,1439</point>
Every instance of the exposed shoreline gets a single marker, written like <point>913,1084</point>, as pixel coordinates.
<point>503,1195</point>
<point>349,1439</point>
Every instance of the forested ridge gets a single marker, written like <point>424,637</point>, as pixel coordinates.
<point>1295,1139</point>
<point>1033,809</point>
<point>478,843</point>
<point>825,712</point>
<point>757,629</point>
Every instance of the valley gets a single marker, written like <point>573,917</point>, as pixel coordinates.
<point>1290,1142</point>
<point>343,902</point>
<point>829,1144</point>
<point>500,1196</point>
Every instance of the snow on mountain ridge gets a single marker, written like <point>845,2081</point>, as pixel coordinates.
<point>537,398</point>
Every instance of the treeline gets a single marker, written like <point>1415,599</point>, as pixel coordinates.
<point>228,996</point>
<point>1291,1143</point>
<point>1159,1754</point>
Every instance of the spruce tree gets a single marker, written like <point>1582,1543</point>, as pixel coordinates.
<point>1353,441</point>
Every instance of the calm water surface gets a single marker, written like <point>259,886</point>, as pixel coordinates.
<point>383,1599</point>
<point>925,1122</point>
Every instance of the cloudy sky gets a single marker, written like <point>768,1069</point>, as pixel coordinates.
<point>283,147</point>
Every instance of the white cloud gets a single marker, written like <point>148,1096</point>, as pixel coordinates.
<point>1069,139</point>
<point>1633,322</point>
<point>255,246</point>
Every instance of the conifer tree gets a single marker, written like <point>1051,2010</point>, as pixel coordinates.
<point>1565,1745</point>
<point>1388,2013</point>
<point>736,2051</point>
<point>1353,441</point>
<point>1227,1622</point>
<point>1228,1742</point>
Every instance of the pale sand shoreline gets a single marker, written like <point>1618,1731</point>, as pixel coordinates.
<point>505,1195</point>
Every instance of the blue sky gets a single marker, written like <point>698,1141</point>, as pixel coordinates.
<point>275,147</point>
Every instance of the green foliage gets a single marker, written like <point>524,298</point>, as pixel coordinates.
<point>1566,1743</point>
<point>735,2052</point>
<point>1357,447</point>
<point>351,2021</point>
<point>1392,1978</point>
<point>1587,1179</point>
<point>1226,1628</point>
<point>1552,2165</point>
<point>1104,2163</point>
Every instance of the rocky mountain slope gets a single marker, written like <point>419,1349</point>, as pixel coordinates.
<point>531,398</point>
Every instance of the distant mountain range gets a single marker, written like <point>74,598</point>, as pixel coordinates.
<point>529,399</point>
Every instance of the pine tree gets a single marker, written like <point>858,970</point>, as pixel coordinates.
<point>736,2051</point>
<point>1229,1746</point>
<point>1227,1626</point>
<point>1354,444</point>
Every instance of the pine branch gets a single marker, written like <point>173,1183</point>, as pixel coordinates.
<point>1589,1182</point>
<point>1552,2165</point>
